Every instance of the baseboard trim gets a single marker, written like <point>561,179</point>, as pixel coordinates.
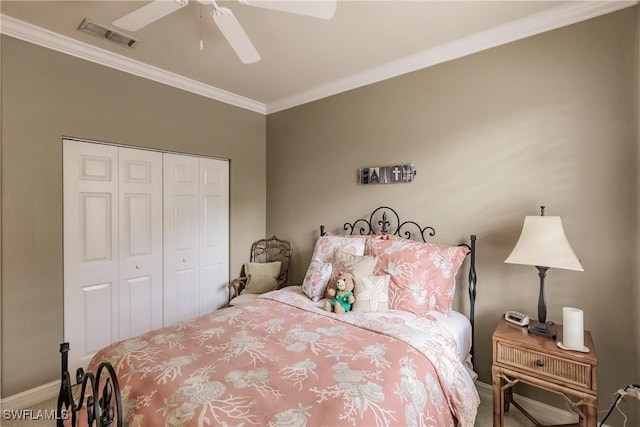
<point>30,397</point>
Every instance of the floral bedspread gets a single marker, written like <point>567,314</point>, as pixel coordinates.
<point>283,361</point>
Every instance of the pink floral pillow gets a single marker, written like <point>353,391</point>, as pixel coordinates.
<point>316,280</point>
<point>422,274</point>
<point>326,245</point>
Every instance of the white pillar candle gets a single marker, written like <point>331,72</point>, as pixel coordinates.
<point>573,328</point>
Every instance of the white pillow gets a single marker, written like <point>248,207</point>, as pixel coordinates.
<point>316,280</point>
<point>372,294</point>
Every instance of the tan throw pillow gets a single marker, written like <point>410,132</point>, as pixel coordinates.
<point>372,294</point>
<point>261,277</point>
<point>259,284</point>
<point>343,262</point>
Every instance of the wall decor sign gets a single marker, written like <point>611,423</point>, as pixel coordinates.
<point>386,174</point>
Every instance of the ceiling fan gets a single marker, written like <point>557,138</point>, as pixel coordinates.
<point>225,19</point>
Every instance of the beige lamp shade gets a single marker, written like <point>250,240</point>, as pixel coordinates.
<point>543,243</point>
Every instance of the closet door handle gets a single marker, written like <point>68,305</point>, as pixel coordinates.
<point>138,267</point>
<point>184,260</point>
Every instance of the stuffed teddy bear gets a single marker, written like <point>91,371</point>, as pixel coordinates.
<point>342,297</point>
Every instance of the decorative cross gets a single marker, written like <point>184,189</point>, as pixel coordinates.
<point>396,173</point>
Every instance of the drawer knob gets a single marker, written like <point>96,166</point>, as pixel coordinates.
<point>540,363</point>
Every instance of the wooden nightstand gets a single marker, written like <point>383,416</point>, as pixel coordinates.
<point>522,357</point>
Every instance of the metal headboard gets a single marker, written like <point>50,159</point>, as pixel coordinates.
<point>385,220</point>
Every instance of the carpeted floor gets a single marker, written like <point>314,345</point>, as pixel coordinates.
<point>484,418</point>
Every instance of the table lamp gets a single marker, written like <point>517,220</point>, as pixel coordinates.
<point>544,245</point>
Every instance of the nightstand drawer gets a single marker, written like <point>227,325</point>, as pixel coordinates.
<point>561,371</point>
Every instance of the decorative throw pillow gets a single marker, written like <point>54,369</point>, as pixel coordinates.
<point>261,277</point>
<point>326,245</point>
<point>372,294</point>
<point>422,274</point>
<point>316,280</point>
<point>343,262</point>
<point>259,284</point>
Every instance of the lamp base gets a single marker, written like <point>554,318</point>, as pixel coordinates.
<point>542,330</point>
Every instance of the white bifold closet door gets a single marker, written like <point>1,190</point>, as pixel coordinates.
<point>196,241</point>
<point>112,245</point>
<point>140,229</point>
<point>145,242</point>
<point>91,309</point>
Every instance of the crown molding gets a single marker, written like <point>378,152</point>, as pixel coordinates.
<point>560,16</point>
<point>45,38</point>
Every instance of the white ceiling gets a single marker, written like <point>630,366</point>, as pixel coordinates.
<point>303,58</point>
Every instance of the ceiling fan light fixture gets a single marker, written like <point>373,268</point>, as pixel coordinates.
<point>99,30</point>
<point>235,35</point>
<point>225,20</point>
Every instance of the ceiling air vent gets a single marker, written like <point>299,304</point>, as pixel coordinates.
<point>103,32</point>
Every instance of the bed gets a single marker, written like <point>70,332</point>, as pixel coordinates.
<point>283,360</point>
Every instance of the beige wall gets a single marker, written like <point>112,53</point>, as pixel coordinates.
<point>1,133</point>
<point>636,312</point>
<point>47,95</point>
<point>547,120</point>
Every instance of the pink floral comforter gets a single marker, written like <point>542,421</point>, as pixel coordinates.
<point>282,361</point>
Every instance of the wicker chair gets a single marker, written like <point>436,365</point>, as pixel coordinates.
<point>262,251</point>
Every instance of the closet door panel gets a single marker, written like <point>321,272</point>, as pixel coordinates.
<point>138,297</point>
<point>96,226</point>
<point>90,187</point>
<point>181,242</point>
<point>214,238</point>
<point>97,313</point>
<point>146,240</point>
<point>140,241</point>
<point>186,301</point>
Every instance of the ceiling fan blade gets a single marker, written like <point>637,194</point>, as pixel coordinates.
<point>235,35</point>
<point>149,13</point>
<point>324,9</point>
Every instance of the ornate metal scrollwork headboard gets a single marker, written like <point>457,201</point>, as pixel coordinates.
<point>385,220</point>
